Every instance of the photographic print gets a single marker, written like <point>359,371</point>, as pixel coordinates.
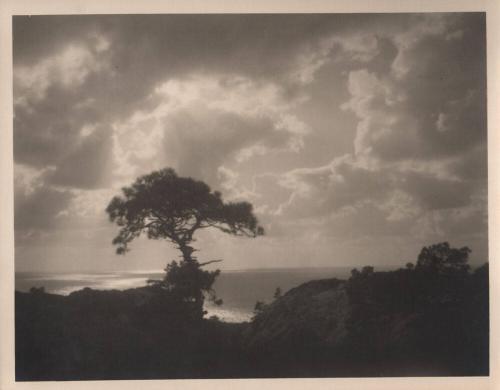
<point>213,196</point>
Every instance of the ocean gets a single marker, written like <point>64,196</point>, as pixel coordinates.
<point>240,290</point>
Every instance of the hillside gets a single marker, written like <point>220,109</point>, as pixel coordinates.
<point>404,322</point>
<point>397,323</point>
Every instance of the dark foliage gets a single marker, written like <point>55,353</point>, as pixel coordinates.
<point>143,333</point>
<point>442,259</point>
<point>432,322</point>
<point>410,322</point>
<point>431,319</point>
<point>165,206</point>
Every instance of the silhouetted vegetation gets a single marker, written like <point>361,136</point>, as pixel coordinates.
<point>165,206</point>
<point>427,319</point>
<point>261,306</point>
<point>435,313</point>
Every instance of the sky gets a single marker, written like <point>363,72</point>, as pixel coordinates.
<point>358,138</point>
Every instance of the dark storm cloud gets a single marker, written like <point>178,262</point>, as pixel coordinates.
<point>86,167</point>
<point>147,49</point>
<point>143,51</point>
<point>473,167</point>
<point>150,48</point>
<point>324,190</point>
<point>184,38</point>
<point>45,131</point>
<point>39,209</point>
<point>75,72</point>
<point>89,108</point>
<point>446,87</point>
<point>421,132</point>
<point>437,194</point>
<point>346,184</point>
<point>432,104</point>
<point>36,37</point>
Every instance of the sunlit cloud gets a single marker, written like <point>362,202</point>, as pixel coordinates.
<point>200,123</point>
<point>350,134</point>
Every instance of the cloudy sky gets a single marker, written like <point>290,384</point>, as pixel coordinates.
<point>358,138</point>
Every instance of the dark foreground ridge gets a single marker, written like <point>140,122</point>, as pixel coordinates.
<point>409,322</point>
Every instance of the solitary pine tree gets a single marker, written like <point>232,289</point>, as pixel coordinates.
<point>165,206</point>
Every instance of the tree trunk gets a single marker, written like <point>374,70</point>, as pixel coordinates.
<point>187,251</point>
<point>196,292</point>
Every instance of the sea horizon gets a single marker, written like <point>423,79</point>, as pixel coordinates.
<point>240,289</point>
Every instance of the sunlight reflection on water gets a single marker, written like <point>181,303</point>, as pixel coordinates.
<point>240,290</point>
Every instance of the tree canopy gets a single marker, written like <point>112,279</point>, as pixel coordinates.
<point>163,205</point>
<point>442,258</point>
<point>166,206</point>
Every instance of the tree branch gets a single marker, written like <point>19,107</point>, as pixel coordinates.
<point>209,262</point>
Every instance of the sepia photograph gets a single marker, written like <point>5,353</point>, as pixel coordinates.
<point>250,195</point>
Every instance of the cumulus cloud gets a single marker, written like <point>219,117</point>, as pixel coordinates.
<point>67,69</point>
<point>360,47</point>
<point>345,183</point>
<point>354,129</point>
<point>37,206</point>
<point>437,194</point>
<point>87,166</point>
<point>418,165</point>
<point>423,26</point>
<point>432,102</point>
<point>346,201</point>
<point>53,101</point>
<point>199,123</point>
<point>323,190</point>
